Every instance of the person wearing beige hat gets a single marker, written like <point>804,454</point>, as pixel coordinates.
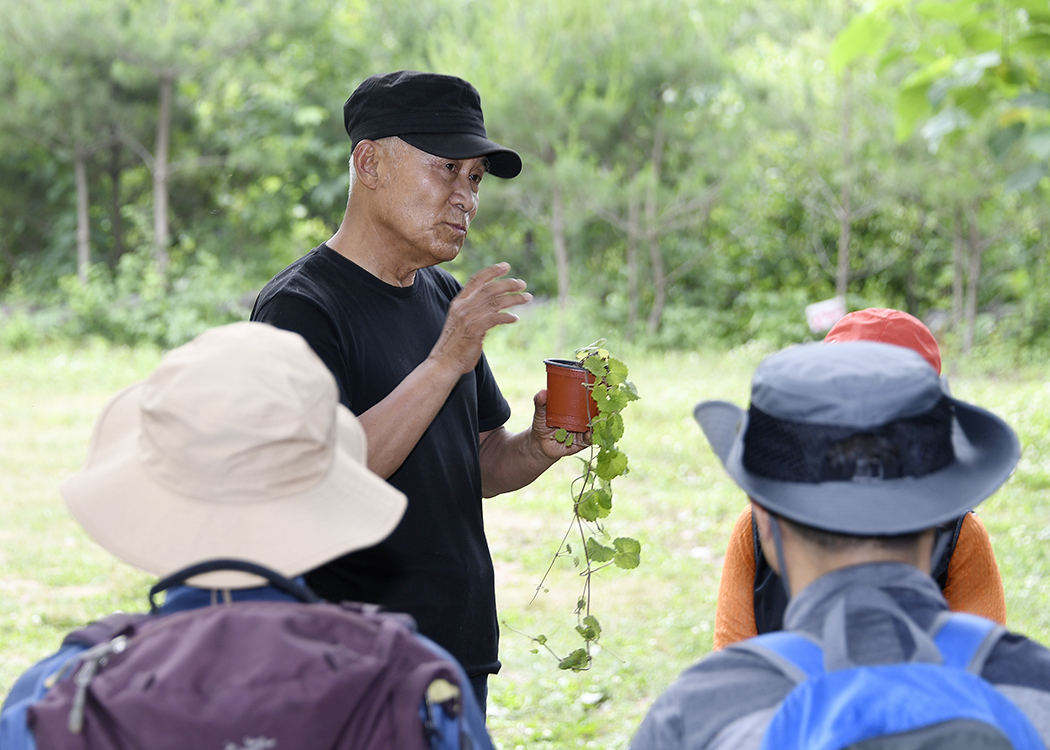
<point>235,448</point>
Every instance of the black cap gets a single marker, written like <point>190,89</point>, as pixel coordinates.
<point>436,113</point>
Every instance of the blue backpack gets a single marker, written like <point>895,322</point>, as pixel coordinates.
<point>937,700</point>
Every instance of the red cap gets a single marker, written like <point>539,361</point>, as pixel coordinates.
<point>889,327</point>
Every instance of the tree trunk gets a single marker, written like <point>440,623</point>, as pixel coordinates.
<point>116,218</point>
<point>652,233</point>
<point>958,271</point>
<point>83,228</point>
<point>160,173</point>
<point>911,284</point>
<point>632,266</point>
<point>976,248</point>
<point>846,197</point>
<point>561,254</point>
<point>911,296</point>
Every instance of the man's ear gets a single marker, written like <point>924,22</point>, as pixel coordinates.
<point>365,161</point>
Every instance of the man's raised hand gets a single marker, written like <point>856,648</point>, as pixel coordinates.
<point>480,306</point>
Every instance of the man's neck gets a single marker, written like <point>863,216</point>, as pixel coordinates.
<point>360,242</point>
<point>807,562</point>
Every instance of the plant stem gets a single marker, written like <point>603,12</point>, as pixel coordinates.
<point>554,559</point>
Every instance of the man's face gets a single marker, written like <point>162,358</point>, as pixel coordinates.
<point>428,202</point>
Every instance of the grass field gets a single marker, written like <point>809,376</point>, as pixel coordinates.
<point>657,619</point>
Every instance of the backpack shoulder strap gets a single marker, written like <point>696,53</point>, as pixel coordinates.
<point>105,629</point>
<point>966,640</point>
<point>945,541</point>
<point>797,656</point>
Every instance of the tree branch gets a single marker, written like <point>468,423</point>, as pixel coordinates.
<point>196,163</point>
<point>131,142</point>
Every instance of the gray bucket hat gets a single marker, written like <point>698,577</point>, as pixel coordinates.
<point>939,456</point>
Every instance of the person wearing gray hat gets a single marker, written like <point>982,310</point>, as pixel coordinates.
<point>851,456</point>
<point>404,341</point>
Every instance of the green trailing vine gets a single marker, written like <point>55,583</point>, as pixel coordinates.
<point>592,496</point>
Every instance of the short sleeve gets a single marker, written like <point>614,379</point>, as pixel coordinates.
<point>493,409</point>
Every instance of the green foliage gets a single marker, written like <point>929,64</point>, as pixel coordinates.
<point>592,494</point>
<point>865,35</point>
<point>774,317</point>
<point>136,304</point>
<point>970,65</point>
<point>18,332</point>
<point>693,189</point>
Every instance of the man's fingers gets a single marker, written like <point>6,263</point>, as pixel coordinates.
<point>485,275</point>
<point>480,306</point>
<point>502,301</point>
<point>487,288</point>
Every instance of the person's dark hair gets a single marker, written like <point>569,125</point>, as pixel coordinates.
<point>873,452</point>
<point>832,542</point>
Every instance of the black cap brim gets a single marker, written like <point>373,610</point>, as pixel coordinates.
<point>503,162</point>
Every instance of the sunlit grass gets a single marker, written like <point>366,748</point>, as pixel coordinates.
<point>676,500</point>
<point>659,619</point>
<point>52,576</point>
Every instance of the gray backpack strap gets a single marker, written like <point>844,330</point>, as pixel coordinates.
<point>811,656</point>
<point>869,598</point>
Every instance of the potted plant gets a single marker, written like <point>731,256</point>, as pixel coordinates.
<point>596,391</point>
<point>570,402</point>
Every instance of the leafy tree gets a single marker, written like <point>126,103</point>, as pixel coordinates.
<point>610,127</point>
<point>968,61</point>
<point>532,63</point>
<point>171,41</point>
<point>61,101</point>
<point>705,187</point>
<point>972,72</point>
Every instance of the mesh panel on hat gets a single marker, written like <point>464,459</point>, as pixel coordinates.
<point>784,450</point>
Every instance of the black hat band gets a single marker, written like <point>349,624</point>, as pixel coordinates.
<point>802,452</point>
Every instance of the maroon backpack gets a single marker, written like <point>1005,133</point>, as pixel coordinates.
<point>253,675</point>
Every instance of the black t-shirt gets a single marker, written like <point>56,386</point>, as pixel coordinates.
<point>436,564</point>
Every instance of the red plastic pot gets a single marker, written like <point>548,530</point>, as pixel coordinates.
<point>569,401</point>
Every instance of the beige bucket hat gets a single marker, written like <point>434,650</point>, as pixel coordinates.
<point>235,447</point>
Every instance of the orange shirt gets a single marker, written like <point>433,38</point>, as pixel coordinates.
<point>973,583</point>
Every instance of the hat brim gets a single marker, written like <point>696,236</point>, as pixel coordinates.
<point>155,529</point>
<point>503,162</point>
<point>986,451</point>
